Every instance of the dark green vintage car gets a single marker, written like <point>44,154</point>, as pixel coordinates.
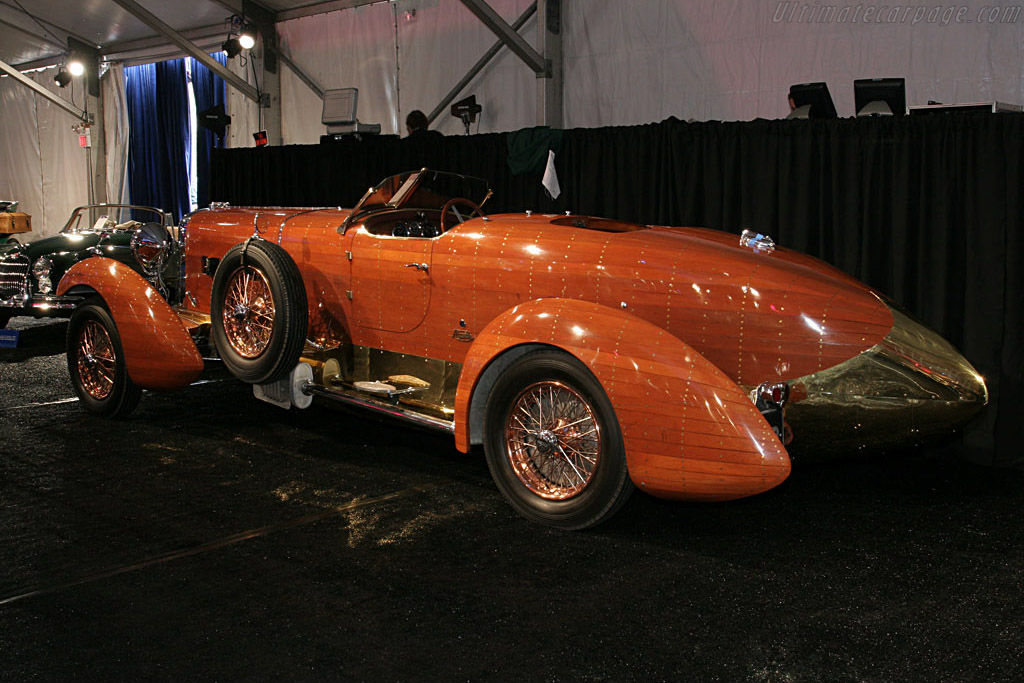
<point>29,272</point>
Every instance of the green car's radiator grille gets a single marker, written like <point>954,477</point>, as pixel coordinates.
<point>13,277</point>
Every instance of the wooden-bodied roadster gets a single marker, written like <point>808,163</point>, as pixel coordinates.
<point>586,355</point>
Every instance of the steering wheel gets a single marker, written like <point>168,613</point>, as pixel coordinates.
<point>458,216</point>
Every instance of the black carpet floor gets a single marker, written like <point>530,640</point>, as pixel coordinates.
<point>213,537</point>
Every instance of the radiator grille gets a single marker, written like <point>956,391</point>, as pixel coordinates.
<point>13,277</point>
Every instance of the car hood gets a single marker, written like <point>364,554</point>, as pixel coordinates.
<point>68,243</point>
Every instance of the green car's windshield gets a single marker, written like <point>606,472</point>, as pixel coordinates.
<point>113,216</point>
<point>421,190</point>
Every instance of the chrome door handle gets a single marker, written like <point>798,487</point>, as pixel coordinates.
<point>419,266</point>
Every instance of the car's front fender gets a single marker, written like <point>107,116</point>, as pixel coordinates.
<point>689,431</point>
<point>158,351</point>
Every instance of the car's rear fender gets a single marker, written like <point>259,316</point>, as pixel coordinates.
<point>158,351</point>
<point>689,431</point>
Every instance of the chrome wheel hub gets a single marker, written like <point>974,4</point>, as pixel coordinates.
<point>96,361</point>
<point>248,312</point>
<point>553,440</point>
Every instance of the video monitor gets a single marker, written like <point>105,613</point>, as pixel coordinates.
<point>880,96</point>
<point>340,106</point>
<point>811,100</point>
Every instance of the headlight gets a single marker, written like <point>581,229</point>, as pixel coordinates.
<point>42,267</point>
<point>151,245</point>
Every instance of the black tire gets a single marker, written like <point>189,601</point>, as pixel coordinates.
<point>4,319</point>
<point>96,363</point>
<point>259,340</point>
<point>551,482</point>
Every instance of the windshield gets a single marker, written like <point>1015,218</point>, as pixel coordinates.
<point>424,189</point>
<point>112,217</point>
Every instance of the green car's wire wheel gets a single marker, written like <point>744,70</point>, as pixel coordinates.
<point>96,362</point>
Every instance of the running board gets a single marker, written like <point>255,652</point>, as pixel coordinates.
<point>381,407</point>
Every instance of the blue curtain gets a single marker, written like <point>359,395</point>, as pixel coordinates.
<point>209,91</point>
<point>159,138</point>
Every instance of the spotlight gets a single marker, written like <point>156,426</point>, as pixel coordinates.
<point>247,38</point>
<point>76,67</point>
<point>232,46</point>
<point>62,78</point>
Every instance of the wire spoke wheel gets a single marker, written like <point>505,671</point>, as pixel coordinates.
<point>258,312</point>
<point>553,440</point>
<point>248,312</point>
<point>96,360</point>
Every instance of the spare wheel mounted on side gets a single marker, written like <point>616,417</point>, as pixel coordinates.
<point>258,311</point>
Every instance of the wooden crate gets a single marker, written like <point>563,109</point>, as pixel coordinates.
<point>11,223</point>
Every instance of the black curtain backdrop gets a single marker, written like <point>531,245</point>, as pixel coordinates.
<point>925,209</point>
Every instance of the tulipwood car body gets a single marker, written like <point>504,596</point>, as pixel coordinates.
<point>587,355</point>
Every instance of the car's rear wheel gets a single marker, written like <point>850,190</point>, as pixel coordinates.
<point>553,443</point>
<point>258,312</point>
<point>96,363</point>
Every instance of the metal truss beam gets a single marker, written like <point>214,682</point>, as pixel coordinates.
<point>508,35</point>
<point>43,92</point>
<point>154,22</point>
<point>480,64</point>
<point>303,76</point>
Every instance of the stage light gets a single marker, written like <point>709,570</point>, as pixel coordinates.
<point>76,67</point>
<point>247,38</point>
<point>62,78</point>
<point>232,46</point>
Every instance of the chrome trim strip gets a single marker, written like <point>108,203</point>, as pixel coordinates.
<point>58,302</point>
<point>397,411</point>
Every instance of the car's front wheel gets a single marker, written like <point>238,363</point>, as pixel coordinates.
<point>96,363</point>
<point>553,443</point>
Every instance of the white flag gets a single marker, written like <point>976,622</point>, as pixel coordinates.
<point>550,180</point>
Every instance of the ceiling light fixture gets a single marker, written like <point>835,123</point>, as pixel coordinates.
<point>247,38</point>
<point>232,46</point>
<point>62,78</point>
<point>76,67</point>
<point>241,36</point>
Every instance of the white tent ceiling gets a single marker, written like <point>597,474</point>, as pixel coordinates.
<point>35,32</point>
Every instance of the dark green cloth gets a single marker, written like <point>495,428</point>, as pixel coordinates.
<point>528,148</point>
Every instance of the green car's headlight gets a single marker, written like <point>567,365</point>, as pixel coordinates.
<point>41,271</point>
<point>42,267</point>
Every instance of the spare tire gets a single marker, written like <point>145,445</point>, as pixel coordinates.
<point>258,312</point>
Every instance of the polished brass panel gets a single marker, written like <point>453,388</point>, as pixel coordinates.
<point>911,388</point>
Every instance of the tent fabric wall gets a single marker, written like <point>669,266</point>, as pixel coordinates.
<point>350,49</point>
<point>21,164</point>
<point>41,163</point>
<point>648,60</point>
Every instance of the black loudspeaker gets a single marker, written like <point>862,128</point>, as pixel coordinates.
<point>214,119</point>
